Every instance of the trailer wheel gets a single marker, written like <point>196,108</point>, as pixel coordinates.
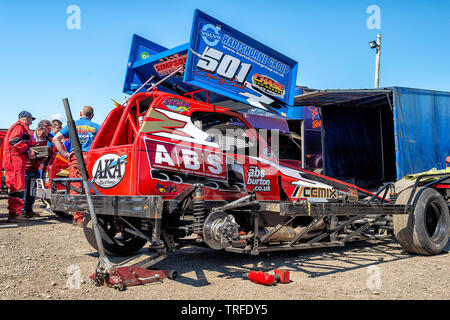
<point>426,230</point>
<point>115,243</point>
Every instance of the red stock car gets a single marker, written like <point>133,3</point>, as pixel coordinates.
<point>174,171</point>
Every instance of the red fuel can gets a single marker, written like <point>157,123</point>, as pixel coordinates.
<point>261,278</point>
<point>283,275</point>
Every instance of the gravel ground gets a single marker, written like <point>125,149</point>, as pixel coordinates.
<point>40,260</point>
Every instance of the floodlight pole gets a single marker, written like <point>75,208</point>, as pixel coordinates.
<point>377,64</point>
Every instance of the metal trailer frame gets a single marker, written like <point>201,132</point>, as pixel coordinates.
<point>443,177</point>
<point>348,212</point>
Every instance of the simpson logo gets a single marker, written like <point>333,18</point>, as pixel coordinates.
<point>170,64</point>
<point>315,192</point>
<point>211,34</point>
<point>177,105</point>
<point>109,170</point>
<point>257,178</point>
<point>268,85</point>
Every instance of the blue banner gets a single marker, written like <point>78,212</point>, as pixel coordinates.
<point>141,49</point>
<point>162,64</point>
<point>224,60</point>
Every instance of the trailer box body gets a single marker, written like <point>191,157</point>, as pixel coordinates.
<point>373,136</point>
<point>422,127</point>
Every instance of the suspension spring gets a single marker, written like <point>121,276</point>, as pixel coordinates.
<point>198,210</point>
<point>393,194</point>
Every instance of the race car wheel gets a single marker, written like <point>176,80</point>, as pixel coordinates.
<point>115,242</point>
<point>426,230</point>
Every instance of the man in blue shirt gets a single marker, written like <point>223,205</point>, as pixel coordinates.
<point>86,130</point>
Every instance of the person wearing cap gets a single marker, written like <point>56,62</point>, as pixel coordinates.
<point>86,130</point>
<point>40,138</point>
<point>56,127</point>
<point>16,151</point>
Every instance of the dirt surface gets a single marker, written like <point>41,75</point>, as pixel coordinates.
<point>41,259</point>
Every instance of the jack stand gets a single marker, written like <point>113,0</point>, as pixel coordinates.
<point>106,274</point>
<point>120,278</point>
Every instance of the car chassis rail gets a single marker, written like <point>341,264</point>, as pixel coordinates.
<point>148,207</point>
<point>366,213</point>
<point>349,214</point>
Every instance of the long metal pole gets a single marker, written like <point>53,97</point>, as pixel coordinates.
<point>382,145</point>
<point>104,264</point>
<point>377,64</point>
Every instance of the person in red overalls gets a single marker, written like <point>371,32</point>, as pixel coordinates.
<point>16,151</point>
<point>39,139</point>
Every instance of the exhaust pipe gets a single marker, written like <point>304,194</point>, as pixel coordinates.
<point>289,233</point>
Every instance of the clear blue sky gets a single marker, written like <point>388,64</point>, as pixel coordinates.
<point>42,61</point>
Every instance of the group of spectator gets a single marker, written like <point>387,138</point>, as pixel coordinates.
<point>22,162</point>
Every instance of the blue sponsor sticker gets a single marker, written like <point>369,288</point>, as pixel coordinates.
<point>210,34</point>
<point>223,60</point>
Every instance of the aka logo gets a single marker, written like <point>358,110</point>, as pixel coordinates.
<point>109,170</point>
<point>211,34</point>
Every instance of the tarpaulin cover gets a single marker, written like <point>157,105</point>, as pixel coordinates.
<point>352,143</point>
<point>415,133</point>
<point>344,98</point>
<point>422,126</point>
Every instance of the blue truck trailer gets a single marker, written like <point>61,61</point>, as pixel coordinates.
<point>372,136</point>
<point>376,137</point>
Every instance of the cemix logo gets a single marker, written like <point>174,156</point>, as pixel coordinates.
<point>109,170</point>
<point>211,34</point>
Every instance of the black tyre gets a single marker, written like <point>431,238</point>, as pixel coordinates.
<point>115,243</point>
<point>172,274</point>
<point>63,214</point>
<point>426,230</point>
